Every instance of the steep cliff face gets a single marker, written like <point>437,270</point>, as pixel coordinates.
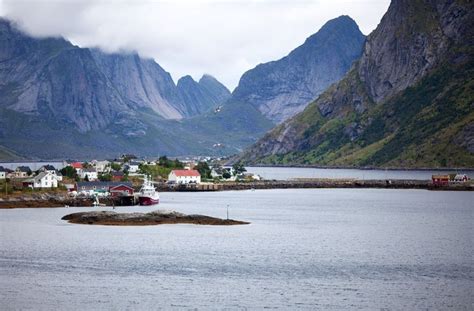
<point>33,74</point>
<point>282,88</point>
<point>143,82</point>
<point>406,102</point>
<point>97,104</point>
<point>201,97</point>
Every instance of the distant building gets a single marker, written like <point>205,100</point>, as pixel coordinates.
<point>460,178</point>
<point>132,167</point>
<point>59,176</point>
<point>440,180</point>
<point>51,169</point>
<point>184,176</point>
<point>42,180</point>
<point>101,166</point>
<point>117,176</point>
<point>3,173</point>
<point>121,190</point>
<point>22,172</point>
<point>48,168</point>
<point>77,166</point>
<point>89,174</point>
<point>100,186</point>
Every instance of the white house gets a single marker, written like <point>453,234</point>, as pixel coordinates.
<point>42,180</point>
<point>101,166</point>
<point>3,173</point>
<point>132,167</point>
<point>460,178</point>
<point>184,176</point>
<point>90,173</point>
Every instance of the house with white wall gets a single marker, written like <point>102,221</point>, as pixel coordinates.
<point>3,173</point>
<point>90,173</point>
<point>42,180</point>
<point>184,176</point>
<point>101,166</point>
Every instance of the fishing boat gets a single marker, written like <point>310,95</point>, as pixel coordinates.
<point>148,194</point>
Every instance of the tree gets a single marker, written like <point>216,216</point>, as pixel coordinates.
<point>105,177</point>
<point>115,166</point>
<point>69,172</point>
<point>226,174</point>
<point>204,170</point>
<point>86,178</point>
<point>163,161</point>
<point>239,168</point>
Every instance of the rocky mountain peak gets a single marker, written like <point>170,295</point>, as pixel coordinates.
<point>282,88</point>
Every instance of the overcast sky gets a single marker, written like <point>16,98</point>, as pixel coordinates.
<point>223,38</point>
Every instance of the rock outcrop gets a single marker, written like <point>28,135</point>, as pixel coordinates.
<point>406,102</point>
<point>282,88</point>
<point>146,219</point>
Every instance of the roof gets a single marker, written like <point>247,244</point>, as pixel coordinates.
<point>90,170</point>
<point>49,167</point>
<point>2,169</point>
<point>23,168</point>
<point>122,184</point>
<point>103,184</point>
<point>117,173</point>
<point>186,172</point>
<point>440,176</point>
<point>40,176</point>
<point>76,164</point>
<point>135,163</point>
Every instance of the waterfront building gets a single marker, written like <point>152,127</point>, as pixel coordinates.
<point>184,176</point>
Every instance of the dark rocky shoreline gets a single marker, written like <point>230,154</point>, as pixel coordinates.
<point>109,218</point>
<point>62,199</point>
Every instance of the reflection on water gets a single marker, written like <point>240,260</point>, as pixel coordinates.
<point>305,249</point>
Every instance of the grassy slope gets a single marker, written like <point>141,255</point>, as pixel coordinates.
<point>236,127</point>
<point>417,128</point>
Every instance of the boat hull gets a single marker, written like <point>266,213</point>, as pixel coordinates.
<point>148,201</point>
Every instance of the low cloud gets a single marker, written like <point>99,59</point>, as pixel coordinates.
<point>222,38</point>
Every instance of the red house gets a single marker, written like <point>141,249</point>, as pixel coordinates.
<point>121,190</point>
<point>440,180</point>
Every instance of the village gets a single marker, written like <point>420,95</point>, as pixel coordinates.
<point>117,181</point>
<point>121,177</point>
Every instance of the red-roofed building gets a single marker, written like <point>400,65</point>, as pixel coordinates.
<point>77,166</point>
<point>184,177</point>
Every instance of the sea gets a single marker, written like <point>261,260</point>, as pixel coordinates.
<point>305,249</point>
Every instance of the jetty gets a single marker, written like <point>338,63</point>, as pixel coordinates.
<point>307,183</point>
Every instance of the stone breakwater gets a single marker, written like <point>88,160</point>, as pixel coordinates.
<point>318,183</point>
<point>146,219</point>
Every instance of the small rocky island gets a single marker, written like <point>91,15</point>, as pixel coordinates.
<point>146,219</point>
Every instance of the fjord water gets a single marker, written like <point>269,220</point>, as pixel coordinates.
<point>305,249</point>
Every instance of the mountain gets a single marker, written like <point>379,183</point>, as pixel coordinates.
<point>282,88</point>
<point>407,102</point>
<point>203,96</point>
<point>58,100</point>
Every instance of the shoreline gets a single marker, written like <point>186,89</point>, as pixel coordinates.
<point>365,168</point>
<point>108,218</point>
<point>55,200</point>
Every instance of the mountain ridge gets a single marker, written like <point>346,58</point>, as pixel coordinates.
<point>407,102</point>
<point>282,88</point>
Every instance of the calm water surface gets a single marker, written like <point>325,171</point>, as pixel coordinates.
<point>305,249</point>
